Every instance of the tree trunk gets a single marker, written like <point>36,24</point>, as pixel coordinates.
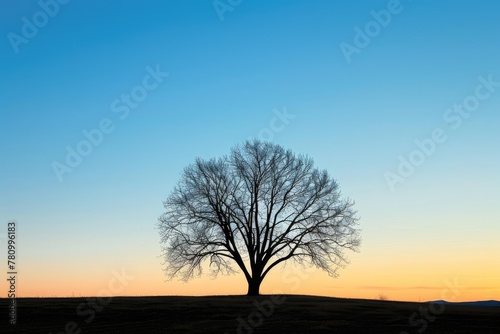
<point>254,286</point>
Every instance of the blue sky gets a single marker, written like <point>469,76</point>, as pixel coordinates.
<point>226,81</point>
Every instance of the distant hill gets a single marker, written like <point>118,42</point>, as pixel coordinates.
<point>495,303</point>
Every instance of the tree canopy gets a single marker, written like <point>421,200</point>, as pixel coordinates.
<point>253,209</point>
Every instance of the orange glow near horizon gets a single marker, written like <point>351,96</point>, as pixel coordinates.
<point>457,268</point>
<point>364,278</point>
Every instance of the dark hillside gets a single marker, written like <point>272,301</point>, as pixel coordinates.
<point>241,314</point>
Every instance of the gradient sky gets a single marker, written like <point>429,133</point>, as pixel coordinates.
<point>434,235</point>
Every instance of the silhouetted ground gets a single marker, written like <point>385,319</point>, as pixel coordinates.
<point>220,314</point>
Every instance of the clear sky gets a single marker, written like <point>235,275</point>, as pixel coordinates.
<point>102,105</point>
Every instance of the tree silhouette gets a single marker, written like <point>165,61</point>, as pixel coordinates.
<point>256,208</point>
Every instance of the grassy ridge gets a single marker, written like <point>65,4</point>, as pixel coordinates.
<point>242,314</point>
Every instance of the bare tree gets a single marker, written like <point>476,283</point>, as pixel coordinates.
<point>256,208</point>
